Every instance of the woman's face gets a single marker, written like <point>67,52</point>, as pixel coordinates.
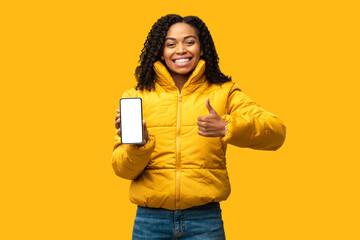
<point>182,49</point>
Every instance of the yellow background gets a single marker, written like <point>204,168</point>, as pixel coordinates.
<point>64,65</point>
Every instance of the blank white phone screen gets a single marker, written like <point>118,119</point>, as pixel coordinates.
<point>131,120</point>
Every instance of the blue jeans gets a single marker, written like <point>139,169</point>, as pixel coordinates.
<point>201,222</point>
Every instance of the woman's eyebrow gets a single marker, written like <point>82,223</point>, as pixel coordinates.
<point>191,36</point>
<point>171,38</point>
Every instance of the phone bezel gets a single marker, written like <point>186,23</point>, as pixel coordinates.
<point>141,110</point>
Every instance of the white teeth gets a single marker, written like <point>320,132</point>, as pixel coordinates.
<point>182,60</point>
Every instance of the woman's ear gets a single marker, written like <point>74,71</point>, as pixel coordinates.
<point>201,53</point>
<point>162,58</point>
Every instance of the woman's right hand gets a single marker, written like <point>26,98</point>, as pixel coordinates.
<point>117,122</point>
<point>145,131</point>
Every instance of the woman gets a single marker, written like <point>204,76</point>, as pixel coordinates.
<point>192,110</point>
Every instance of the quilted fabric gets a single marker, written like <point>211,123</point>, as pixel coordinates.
<point>178,168</point>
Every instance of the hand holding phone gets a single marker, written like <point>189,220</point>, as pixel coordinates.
<point>131,128</point>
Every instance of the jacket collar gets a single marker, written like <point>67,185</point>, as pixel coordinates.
<point>164,79</point>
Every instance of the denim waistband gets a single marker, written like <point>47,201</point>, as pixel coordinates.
<point>146,212</point>
<point>210,205</point>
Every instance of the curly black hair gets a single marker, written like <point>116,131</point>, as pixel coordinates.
<point>154,45</point>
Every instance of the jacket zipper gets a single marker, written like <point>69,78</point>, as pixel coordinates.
<point>178,155</point>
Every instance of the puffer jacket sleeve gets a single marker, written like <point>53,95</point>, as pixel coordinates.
<point>128,160</point>
<point>251,126</point>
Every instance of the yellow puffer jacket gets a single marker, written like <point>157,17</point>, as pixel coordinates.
<point>178,168</point>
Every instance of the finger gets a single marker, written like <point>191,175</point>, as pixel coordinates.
<point>209,107</point>
<point>202,129</point>
<point>119,132</point>
<point>204,124</point>
<point>117,115</point>
<point>200,124</point>
<point>203,118</point>
<point>117,123</point>
<point>146,134</point>
<point>208,134</point>
<point>207,122</point>
<point>144,125</point>
<point>207,129</point>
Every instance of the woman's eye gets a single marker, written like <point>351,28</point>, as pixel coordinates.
<point>170,45</point>
<point>190,43</point>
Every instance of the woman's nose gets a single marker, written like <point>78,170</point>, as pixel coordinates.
<point>181,48</point>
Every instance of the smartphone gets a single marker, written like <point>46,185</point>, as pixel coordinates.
<point>131,120</point>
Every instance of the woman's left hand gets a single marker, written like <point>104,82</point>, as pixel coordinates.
<point>211,125</point>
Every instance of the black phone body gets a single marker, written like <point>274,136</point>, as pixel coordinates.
<point>131,120</point>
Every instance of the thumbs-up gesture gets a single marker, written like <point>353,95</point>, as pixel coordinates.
<point>211,125</point>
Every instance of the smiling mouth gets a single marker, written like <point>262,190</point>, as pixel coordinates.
<point>182,60</point>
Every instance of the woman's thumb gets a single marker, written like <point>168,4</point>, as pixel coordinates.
<point>209,107</point>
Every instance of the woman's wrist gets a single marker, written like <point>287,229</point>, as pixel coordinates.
<point>226,130</point>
